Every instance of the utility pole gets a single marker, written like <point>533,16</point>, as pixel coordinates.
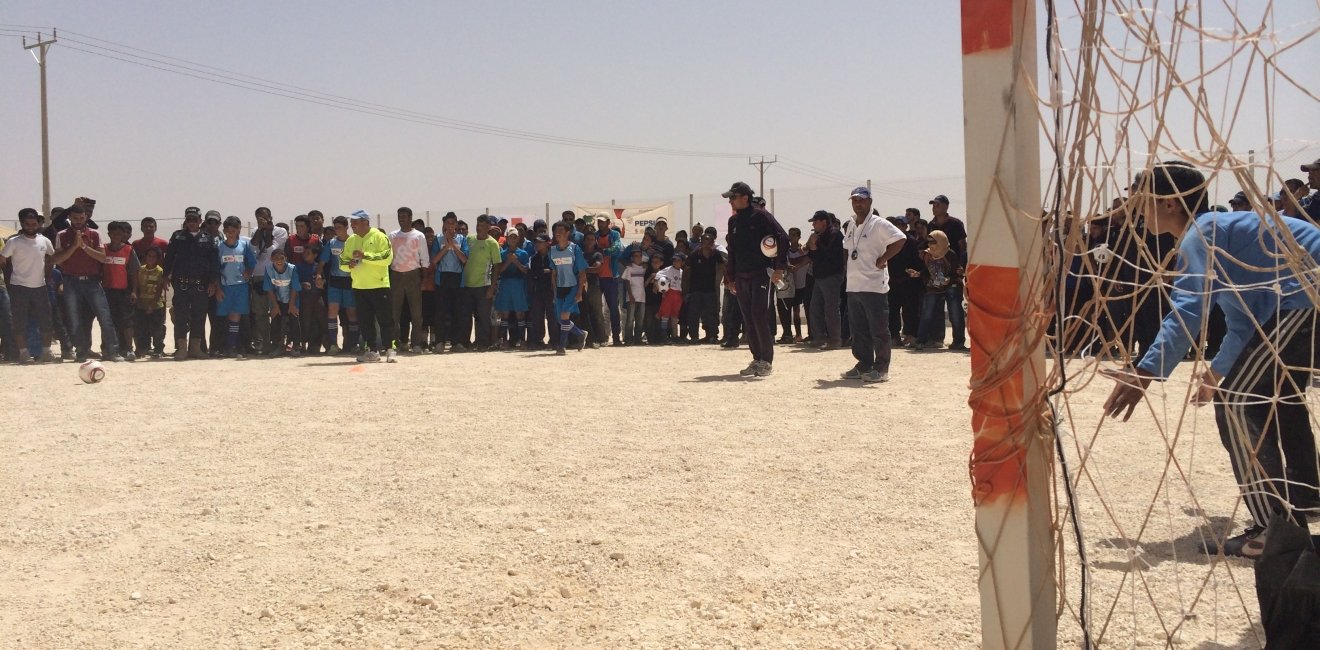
<point>39,50</point>
<point>761,165</point>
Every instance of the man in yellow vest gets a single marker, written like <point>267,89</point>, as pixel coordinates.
<point>367,256</point>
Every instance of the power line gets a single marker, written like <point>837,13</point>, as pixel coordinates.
<point>203,72</point>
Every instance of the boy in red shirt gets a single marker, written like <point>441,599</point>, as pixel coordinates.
<point>119,279</point>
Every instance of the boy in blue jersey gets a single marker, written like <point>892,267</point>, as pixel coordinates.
<point>310,316</point>
<point>282,287</point>
<point>1255,268</point>
<point>448,256</point>
<point>570,285</point>
<point>237,259</point>
<point>338,288</point>
<point>511,296</point>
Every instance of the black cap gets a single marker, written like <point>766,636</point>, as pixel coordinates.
<point>1240,197</point>
<point>28,212</point>
<point>820,215</point>
<point>192,212</point>
<point>739,188</point>
<point>940,199</point>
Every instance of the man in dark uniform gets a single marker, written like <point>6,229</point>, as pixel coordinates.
<point>750,274</point>
<point>191,267</point>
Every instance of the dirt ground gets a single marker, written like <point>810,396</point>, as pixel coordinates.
<point>625,497</point>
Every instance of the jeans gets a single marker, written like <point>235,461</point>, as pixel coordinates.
<point>9,348</point>
<point>23,305</point>
<point>905,297</point>
<point>868,313</point>
<point>634,322</point>
<point>85,299</point>
<point>932,317</point>
<point>609,290</point>
<point>825,314</point>
<point>541,318</point>
<point>476,309</point>
<point>149,331</point>
<point>449,302</point>
<point>732,320</point>
<point>704,309</point>
<point>593,305</point>
<point>259,303</point>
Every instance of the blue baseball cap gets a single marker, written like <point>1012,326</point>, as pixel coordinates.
<point>860,193</point>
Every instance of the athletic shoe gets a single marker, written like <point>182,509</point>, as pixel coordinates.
<point>362,357</point>
<point>784,340</point>
<point>24,358</point>
<point>595,345</point>
<point>1250,544</point>
<point>729,345</point>
<point>391,357</point>
<point>852,373</point>
<point>371,356</point>
<point>959,348</point>
<point>459,347</point>
<point>763,370</point>
<point>875,377</point>
<point>46,357</point>
<point>116,357</point>
<point>560,351</point>
<point>129,356</point>
<point>582,343</point>
<point>750,370</point>
<point>333,350</point>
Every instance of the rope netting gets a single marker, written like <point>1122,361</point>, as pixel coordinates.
<point>1145,519</point>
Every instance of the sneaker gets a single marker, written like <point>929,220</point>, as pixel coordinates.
<point>116,357</point>
<point>750,370</point>
<point>371,356</point>
<point>560,351</point>
<point>582,343</point>
<point>46,357</point>
<point>333,349</point>
<point>875,377</point>
<point>459,347</point>
<point>594,345</point>
<point>959,348</point>
<point>362,356</point>
<point>763,370</point>
<point>391,357</point>
<point>852,373</point>
<point>1250,544</point>
<point>130,356</point>
<point>24,358</point>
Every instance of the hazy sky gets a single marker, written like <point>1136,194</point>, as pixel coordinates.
<point>859,90</point>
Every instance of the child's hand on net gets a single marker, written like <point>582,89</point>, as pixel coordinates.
<point>1207,384</point>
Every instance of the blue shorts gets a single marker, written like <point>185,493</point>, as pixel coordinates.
<point>235,301</point>
<point>511,296</point>
<point>566,300</point>
<point>338,296</point>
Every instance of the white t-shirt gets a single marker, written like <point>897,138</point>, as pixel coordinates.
<point>410,251</point>
<point>279,237</point>
<point>27,260</point>
<point>865,244</point>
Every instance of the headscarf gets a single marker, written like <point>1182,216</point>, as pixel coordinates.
<point>939,246</point>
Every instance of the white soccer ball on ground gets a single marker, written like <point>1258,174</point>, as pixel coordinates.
<point>91,371</point>
<point>770,246</point>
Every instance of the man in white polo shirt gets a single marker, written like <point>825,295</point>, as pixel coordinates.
<point>411,255</point>
<point>870,241</point>
<point>28,255</point>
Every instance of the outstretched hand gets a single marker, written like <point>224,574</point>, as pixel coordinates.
<point>1128,391</point>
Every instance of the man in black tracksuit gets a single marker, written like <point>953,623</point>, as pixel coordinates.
<point>750,274</point>
<point>191,266</point>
